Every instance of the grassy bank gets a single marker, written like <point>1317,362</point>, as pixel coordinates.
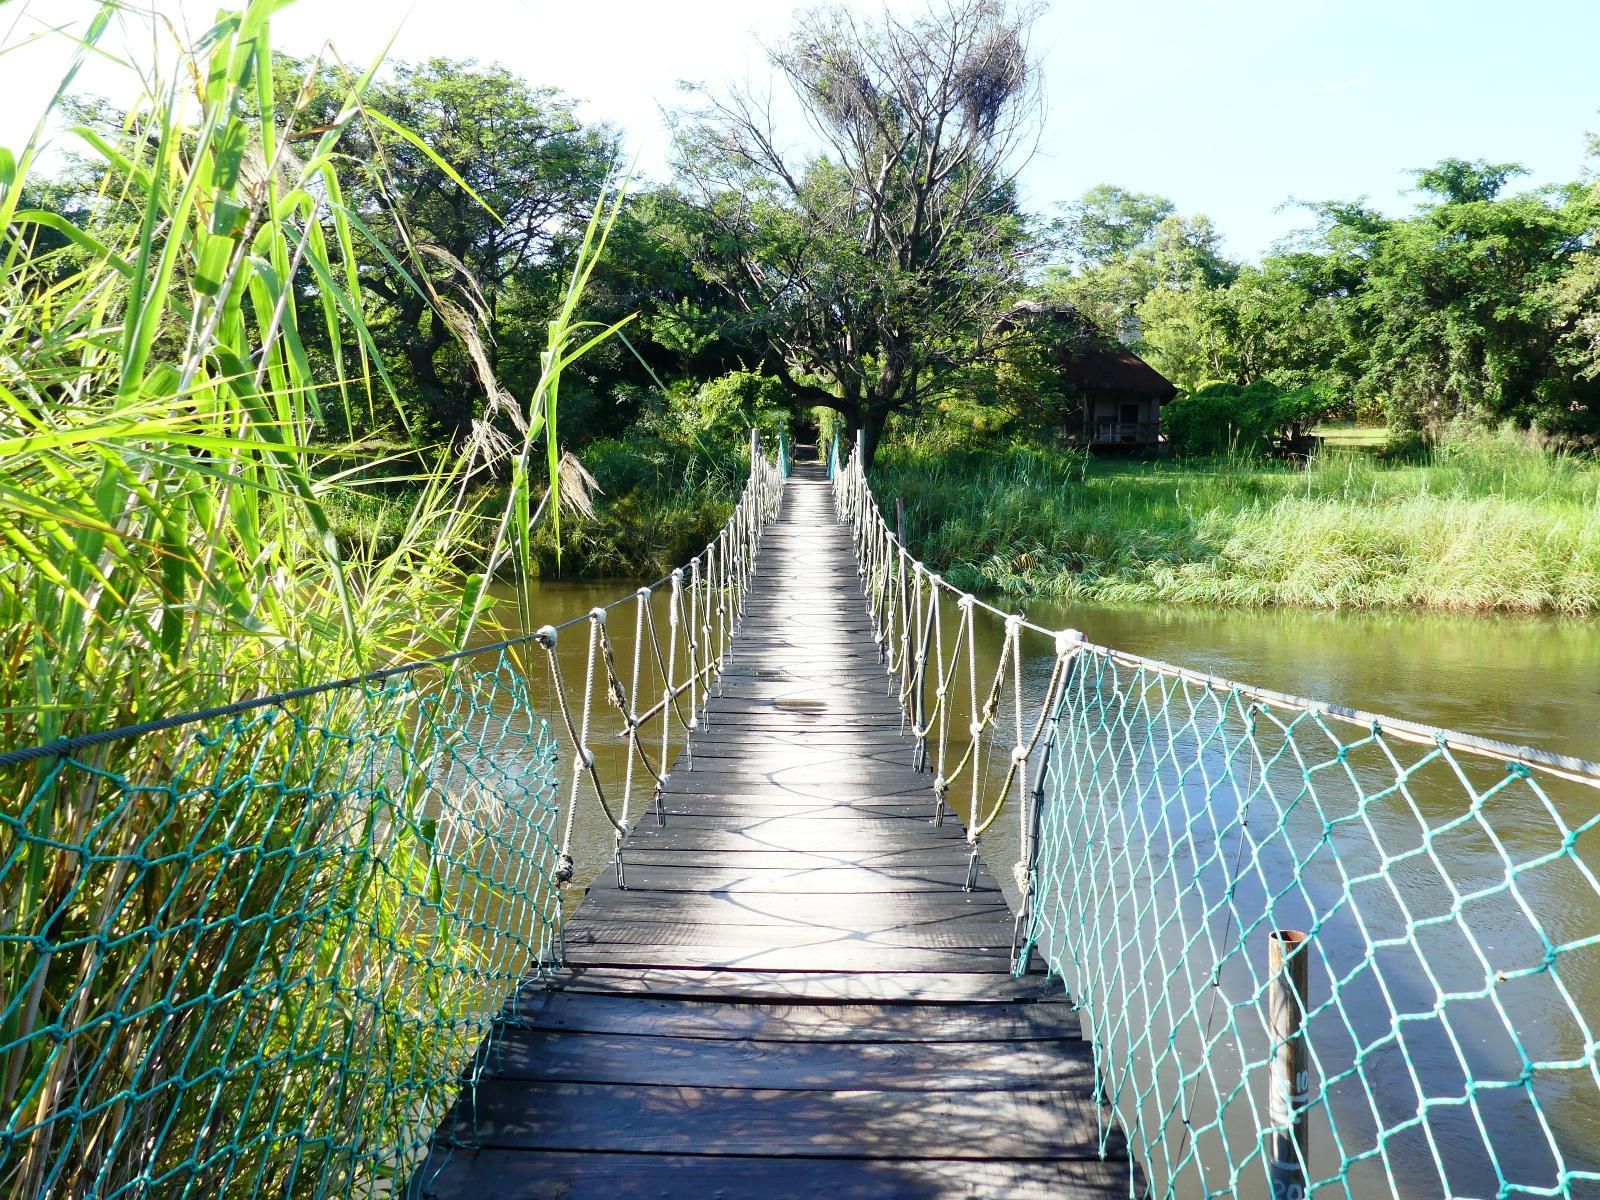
<point>1486,522</point>
<point>236,955</point>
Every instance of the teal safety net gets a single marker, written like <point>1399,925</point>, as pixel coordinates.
<point>1447,887</point>
<point>257,954</point>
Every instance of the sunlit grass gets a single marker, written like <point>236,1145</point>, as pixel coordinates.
<point>1491,521</point>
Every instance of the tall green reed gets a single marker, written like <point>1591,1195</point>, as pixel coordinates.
<point>165,546</point>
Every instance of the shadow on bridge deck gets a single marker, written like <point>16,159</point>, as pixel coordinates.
<point>794,996</point>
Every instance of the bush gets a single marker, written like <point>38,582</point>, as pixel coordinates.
<point>1249,419</point>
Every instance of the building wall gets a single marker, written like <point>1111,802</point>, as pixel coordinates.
<point>1122,409</point>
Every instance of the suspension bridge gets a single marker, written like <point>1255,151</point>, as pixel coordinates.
<point>1256,944</point>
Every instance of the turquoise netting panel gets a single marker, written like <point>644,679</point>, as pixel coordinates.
<point>1454,919</point>
<point>255,955</point>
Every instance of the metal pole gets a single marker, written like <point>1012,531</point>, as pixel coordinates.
<point>1289,973</point>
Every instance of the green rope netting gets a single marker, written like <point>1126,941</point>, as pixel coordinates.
<point>1453,914</point>
<point>255,956</point>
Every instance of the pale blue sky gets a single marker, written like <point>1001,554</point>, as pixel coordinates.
<point>1230,107</point>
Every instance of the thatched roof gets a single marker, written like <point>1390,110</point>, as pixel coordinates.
<point>1091,360</point>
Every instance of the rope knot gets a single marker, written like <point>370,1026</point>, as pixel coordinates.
<point>1067,641</point>
<point>546,636</point>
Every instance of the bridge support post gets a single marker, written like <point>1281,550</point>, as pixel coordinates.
<point>1289,974</point>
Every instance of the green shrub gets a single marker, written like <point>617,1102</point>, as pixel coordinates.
<point>1229,418</point>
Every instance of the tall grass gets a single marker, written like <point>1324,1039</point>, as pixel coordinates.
<point>166,546</point>
<point>1486,521</point>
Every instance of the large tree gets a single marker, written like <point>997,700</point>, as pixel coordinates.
<point>868,265</point>
<point>488,244</point>
<point>1465,308</point>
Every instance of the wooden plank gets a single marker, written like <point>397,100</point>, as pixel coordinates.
<point>741,879</point>
<point>854,987</point>
<point>518,1175</point>
<point>1054,1124</point>
<point>809,782</point>
<point>749,792</point>
<point>917,812</point>
<point>653,1016</point>
<point>652,924</point>
<point>669,1061</point>
<point>811,837</point>
<point>929,855</point>
<point>801,834</point>
<point>863,913</point>
<point>841,956</point>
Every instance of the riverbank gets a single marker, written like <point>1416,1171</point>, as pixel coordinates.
<point>1485,523</point>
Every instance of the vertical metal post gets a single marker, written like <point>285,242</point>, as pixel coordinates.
<point>1289,987</point>
<point>1068,644</point>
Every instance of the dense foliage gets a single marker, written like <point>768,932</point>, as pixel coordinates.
<point>1225,418</point>
<point>183,338</point>
<point>1479,304</point>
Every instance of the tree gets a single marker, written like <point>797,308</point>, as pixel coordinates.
<point>1228,418</point>
<point>1108,222</point>
<point>868,268</point>
<point>1122,248</point>
<point>489,246</point>
<point>1459,305</point>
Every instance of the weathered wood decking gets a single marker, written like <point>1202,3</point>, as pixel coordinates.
<point>793,997</point>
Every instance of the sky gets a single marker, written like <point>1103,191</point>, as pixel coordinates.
<point>1233,108</point>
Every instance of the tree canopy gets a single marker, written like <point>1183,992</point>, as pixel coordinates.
<point>1479,304</point>
<point>867,267</point>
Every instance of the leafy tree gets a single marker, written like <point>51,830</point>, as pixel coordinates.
<point>1226,417</point>
<point>1457,306</point>
<point>1108,222</point>
<point>485,243</point>
<point>1123,248</point>
<point>868,268</point>
<point>1479,305</point>
<point>1457,181</point>
<point>685,328</point>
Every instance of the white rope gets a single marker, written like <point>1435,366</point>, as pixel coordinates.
<point>718,578</point>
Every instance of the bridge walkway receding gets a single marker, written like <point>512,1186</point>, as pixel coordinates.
<point>794,996</point>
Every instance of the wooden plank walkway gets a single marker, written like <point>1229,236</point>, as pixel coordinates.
<point>794,996</point>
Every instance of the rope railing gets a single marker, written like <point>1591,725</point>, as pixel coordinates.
<point>705,600</point>
<point>259,950</point>
<point>1316,950</point>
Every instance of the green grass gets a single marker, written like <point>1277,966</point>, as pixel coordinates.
<point>1341,434</point>
<point>1489,522</point>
